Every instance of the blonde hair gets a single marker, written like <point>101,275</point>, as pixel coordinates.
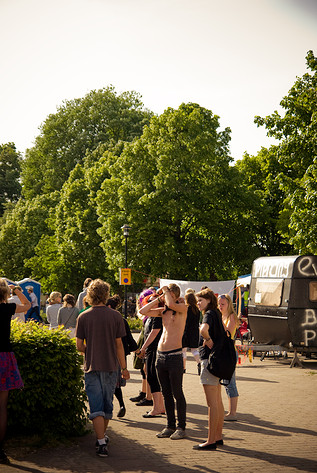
<point>175,289</point>
<point>189,290</point>
<point>231,310</point>
<point>4,290</point>
<point>53,297</point>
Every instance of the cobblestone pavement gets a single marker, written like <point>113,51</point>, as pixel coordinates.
<point>276,430</point>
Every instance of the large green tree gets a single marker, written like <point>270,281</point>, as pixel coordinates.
<point>185,204</point>
<point>73,252</point>
<point>296,155</point>
<point>20,232</point>
<point>260,174</point>
<point>79,127</point>
<point>10,169</point>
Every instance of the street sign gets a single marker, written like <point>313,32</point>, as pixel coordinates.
<point>125,276</point>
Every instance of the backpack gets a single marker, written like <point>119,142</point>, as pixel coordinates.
<point>222,359</point>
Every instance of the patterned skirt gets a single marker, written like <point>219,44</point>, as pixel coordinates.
<point>10,377</point>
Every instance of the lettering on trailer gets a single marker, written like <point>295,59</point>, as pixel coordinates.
<point>307,266</point>
<point>310,322</point>
<point>277,268</point>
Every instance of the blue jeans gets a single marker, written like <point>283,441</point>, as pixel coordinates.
<point>170,373</point>
<point>231,389</point>
<point>100,387</point>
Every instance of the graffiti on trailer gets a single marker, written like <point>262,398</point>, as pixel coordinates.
<point>310,326</point>
<point>307,266</point>
<point>273,268</point>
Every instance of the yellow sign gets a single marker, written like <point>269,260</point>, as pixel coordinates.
<point>125,276</point>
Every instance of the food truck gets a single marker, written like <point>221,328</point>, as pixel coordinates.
<point>282,307</point>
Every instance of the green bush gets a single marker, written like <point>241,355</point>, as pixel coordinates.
<point>135,324</point>
<point>53,401</point>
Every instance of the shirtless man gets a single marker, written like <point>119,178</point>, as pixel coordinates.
<point>169,361</point>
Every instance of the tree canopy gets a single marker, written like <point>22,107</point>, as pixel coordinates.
<point>103,161</point>
<point>10,169</point>
<point>174,187</point>
<point>78,127</point>
<point>296,156</point>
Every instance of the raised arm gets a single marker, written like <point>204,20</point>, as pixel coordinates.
<point>25,303</point>
<point>173,304</point>
<point>151,309</point>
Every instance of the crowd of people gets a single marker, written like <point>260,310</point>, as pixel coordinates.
<point>172,325</point>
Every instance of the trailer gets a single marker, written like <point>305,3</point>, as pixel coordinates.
<point>282,309</point>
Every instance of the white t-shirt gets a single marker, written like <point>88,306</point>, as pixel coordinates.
<point>33,298</point>
<point>19,316</point>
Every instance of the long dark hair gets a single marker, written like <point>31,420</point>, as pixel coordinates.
<point>191,301</point>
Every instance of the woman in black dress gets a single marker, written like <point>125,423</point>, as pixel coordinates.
<point>191,332</point>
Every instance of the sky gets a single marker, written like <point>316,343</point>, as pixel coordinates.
<point>238,58</point>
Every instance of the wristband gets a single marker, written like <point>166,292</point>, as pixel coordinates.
<point>123,369</point>
<point>207,339</point>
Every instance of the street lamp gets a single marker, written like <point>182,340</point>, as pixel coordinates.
<point>126,228</point>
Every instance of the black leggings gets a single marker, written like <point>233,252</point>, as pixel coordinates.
<point>151,372</point>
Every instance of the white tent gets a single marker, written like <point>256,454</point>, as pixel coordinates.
<point>244,280</point>
<point>218,287</point>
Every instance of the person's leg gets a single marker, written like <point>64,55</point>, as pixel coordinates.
<point>232,393</point>
<point>221,414</point>
<point>108,382</point>
<point>3,415</point>
<point>119,396</point>
<point>164,380</point>
<point>100,425</point>
<point>184,358</point>
<point>158,404</point>
<point>195,354</point>
<point>174,366</point>
<point>212,393</point>
<point>100,387</point>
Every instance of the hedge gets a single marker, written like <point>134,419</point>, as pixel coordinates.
<point>53,400</point>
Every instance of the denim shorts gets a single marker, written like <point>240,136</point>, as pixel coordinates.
<point>206,377</point>
<point>231,389</point>
<point>100,387</point>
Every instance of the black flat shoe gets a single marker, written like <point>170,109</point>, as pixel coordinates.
<point>145,402</point>
<point>121,412</point>
<point>219,442</point>
<point>209,446</point>
<point>139,397</point>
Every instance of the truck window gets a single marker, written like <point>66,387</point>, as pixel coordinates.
<point>313,291</point>
<point>268,292</point>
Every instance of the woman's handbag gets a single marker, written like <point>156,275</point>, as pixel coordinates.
<point>139,362</point>
<point>222,359</point>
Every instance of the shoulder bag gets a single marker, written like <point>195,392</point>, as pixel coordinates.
<point>222,359</point>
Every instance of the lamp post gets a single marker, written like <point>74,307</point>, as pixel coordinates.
<point>126,228</point>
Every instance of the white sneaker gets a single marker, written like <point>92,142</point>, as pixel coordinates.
<point>178,434</point>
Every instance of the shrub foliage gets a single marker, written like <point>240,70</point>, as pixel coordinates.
<point>53,401</point>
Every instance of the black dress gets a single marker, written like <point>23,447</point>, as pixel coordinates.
<point>191,332</point>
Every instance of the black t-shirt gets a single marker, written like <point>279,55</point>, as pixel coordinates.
<point>153,323</point>
<point>213,319</point>
<point>6,312</point>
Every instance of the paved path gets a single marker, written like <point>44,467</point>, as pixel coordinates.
<point>276,431</point>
